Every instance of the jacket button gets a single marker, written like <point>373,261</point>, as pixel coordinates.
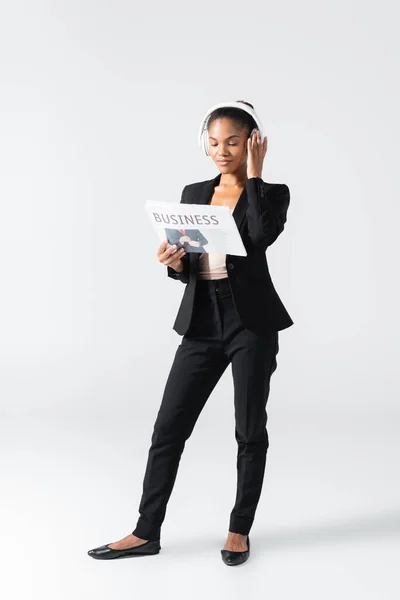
<point>230,266</point>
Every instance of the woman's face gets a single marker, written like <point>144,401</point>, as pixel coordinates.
<point>227,142</point>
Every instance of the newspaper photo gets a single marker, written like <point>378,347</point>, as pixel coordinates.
<point>196,227</point>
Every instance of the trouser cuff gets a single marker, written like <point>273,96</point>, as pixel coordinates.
<point>146,530</point>
<point>240,525</point>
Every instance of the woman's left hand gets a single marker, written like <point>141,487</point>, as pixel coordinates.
<point>256,151</point>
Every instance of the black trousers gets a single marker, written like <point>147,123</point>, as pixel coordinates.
<point>215,338</point>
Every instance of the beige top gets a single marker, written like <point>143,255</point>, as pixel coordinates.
<point>212,264</point>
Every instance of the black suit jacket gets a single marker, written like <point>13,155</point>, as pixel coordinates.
<point>260,215</point>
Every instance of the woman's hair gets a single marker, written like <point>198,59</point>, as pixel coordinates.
<point>241,118</point>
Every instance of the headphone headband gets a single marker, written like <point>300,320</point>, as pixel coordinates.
<point>203,127</point>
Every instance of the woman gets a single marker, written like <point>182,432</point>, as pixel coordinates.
<point>230,314</point>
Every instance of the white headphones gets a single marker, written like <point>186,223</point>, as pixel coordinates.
<point>203,138</point>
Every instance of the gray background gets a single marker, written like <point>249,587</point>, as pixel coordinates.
<point>100,108</point>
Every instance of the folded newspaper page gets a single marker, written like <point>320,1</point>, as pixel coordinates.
<point>196,227</point>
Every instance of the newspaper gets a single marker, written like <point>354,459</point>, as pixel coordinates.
<point>196,227</point>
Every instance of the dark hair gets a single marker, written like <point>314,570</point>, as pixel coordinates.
<point>241,118</point>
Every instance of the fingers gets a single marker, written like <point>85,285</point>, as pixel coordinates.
<point>256,139</point>
<point>170,255</point>
<point>254,143</point>
<point>163,251</point>
<point>175,258</point>
<point>162,246</point>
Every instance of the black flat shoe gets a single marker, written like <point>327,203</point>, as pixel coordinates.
<point>106,553</point>
<point>236,558</point>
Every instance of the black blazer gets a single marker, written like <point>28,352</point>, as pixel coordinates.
<point>260,215</point>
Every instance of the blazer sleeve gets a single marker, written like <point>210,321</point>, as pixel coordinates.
<point>184,276</point>
<point>266,211</point>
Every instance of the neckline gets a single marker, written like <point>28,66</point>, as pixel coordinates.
<point>214,182</point>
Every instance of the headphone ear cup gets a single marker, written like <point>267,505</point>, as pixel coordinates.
<point>205,143</point>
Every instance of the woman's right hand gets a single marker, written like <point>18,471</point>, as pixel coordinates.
<point>171,258</point>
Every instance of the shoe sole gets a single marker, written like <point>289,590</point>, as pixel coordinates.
<point>137,554</point>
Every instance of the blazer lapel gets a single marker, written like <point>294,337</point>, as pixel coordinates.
<point>205,197</point>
